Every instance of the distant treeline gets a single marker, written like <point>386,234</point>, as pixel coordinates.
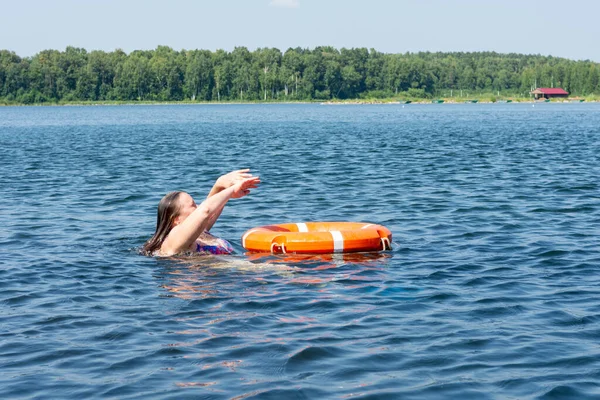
<point>268,74</point>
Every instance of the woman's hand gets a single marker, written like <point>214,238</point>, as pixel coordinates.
<point>242,187</point>
<point>228,180</point>
<point>233,177</point>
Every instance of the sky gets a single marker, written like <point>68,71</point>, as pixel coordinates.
<point>562,28</point>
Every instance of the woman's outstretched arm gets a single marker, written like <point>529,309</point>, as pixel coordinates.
<point>222,183</point>
<point>183,235</point>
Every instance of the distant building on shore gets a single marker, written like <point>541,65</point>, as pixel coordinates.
<point>548,93</point>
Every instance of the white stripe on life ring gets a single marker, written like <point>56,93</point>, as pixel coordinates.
<point>302,227</point>
<point>338,241</point>
<point>366,226</point>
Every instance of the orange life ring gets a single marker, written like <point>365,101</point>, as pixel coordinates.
<point>318,238</point>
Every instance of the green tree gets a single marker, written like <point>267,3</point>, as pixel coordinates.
<point>199,75</point>
<point>223,74</point>
<point>374,71</point>
<point>13,73</point>
<point>44,74</point>
<point>268,62</point>
<point>242,65</point>
<point>292,67</point>
<point>133,78</point>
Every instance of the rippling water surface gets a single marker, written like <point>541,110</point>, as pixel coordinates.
<point>491,290</point>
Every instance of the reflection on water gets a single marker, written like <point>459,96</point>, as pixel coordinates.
<point>191,276</point>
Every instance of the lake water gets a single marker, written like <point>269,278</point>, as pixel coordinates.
<point>491,291</point>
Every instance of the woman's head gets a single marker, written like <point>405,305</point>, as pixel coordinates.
<point>173,208</point>
<point>186,205</point>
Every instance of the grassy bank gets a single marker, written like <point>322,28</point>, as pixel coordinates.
<point>476,97</point>
<point>483,98</point>
<point>148,102</point>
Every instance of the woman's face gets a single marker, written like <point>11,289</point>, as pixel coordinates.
<point>187,205</point>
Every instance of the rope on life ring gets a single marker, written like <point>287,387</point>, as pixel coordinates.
<point>281,246</point>
<point>384,241</point>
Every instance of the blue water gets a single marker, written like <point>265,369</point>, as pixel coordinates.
<point>492,290</point>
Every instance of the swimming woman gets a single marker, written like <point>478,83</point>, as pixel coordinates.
<point>182,226</point>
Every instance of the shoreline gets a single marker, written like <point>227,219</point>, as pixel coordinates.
<point>321,102</point>
<point>573,101</point>
<point>151,103</point>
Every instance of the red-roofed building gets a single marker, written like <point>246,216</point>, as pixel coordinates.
<point>547,93</point>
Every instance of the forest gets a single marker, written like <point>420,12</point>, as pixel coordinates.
<point>267,74</point>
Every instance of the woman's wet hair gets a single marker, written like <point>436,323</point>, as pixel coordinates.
<point>168,210</point>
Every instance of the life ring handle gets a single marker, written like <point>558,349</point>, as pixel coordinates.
<point>385,241</point>
<point>281,246</point>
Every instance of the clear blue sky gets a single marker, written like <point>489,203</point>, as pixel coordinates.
<point>563,28</point>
